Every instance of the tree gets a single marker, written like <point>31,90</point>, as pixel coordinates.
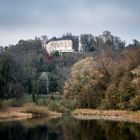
<point>44,83</point>
<point>108,40</point>
<point>40,86</point>
<point>136,43</point>
<point>7,78</point>
<point>87,42</point>
<point>86,84</point>
<point>44,39</point>
<point>35,91</point>
<point>29,55</point>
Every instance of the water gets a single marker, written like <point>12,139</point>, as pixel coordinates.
<point>68,129</point>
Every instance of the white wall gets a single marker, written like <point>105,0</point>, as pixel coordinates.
<point>60,45</point>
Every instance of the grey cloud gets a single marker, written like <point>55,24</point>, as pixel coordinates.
<point>53,17</point>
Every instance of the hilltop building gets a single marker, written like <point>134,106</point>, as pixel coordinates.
<point>61,46</point>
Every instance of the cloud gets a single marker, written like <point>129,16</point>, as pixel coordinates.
<point>28,18</point>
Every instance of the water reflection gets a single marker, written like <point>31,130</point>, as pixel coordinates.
<point>68,129</point>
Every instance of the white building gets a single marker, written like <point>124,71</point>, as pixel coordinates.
<point>62,46</point>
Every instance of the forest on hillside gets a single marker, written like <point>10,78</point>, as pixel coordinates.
<point>104,75</point>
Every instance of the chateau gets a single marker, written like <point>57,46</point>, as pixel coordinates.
<point>62,46</point>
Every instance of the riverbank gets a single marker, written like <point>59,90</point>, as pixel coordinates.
<point>115,115</point>
<point>20,113</point>
<point>40,111</point>
<point>14,113</point>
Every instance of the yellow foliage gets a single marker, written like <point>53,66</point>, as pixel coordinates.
<point>85,76</point>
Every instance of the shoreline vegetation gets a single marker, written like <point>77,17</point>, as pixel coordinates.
<point>14,113</point>
<point>112,115</point>
<point>21,113</point>
<point>41,111</point>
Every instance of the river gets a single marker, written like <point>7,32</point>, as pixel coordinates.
<point>68,128</point>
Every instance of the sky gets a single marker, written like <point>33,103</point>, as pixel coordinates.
<point>25,19</point>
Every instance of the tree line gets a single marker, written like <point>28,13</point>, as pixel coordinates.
<point>103,74</point>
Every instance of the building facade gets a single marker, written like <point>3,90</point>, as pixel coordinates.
<point>61,46</point>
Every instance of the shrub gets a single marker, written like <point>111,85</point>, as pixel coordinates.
<point>36,110</point>
<point>135,103</point>
<point>6,103</point>
<point>70,104</point>
<point>57,106</point>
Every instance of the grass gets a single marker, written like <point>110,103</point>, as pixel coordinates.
<point>40,111</point>
<point>46,107</point>
<point>36,110</point>
<point>14,113</point>
<point>56,103</point>
<point>27,111</point>
<point>119,115</point>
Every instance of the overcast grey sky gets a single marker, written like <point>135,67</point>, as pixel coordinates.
<point>24,19</point>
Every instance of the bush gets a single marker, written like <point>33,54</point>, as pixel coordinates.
<point>6,103</point>
<point>57,106</point>
<point>14,102</point>
<point>135,103</point>
<point>43,102</point>
<point>70,104</point>
<point>36,110</point>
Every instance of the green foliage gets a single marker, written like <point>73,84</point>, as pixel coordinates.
<point>43,83</point>
<point>7,76</point>
<point>53,82</point>
<point>55,106</point>
<point>36,91</point>
<point>87,42</point>
<point>6,103</point>
<point>69,104</point>
<point>14,102</point>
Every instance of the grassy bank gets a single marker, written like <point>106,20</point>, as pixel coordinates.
<point>14,113</point>
<point>40,111</point>
<point>116,115</point>
<point>25,112</point>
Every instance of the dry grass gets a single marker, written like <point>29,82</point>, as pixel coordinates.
<point>14,113</point>
<point>40,111</point>
<point>27,111</point>
<point>36,110</point>
<point>107,115</point>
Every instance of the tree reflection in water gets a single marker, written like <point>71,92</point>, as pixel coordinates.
<point>69,129</point>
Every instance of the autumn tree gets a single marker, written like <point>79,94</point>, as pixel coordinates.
<point>86,84</point>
